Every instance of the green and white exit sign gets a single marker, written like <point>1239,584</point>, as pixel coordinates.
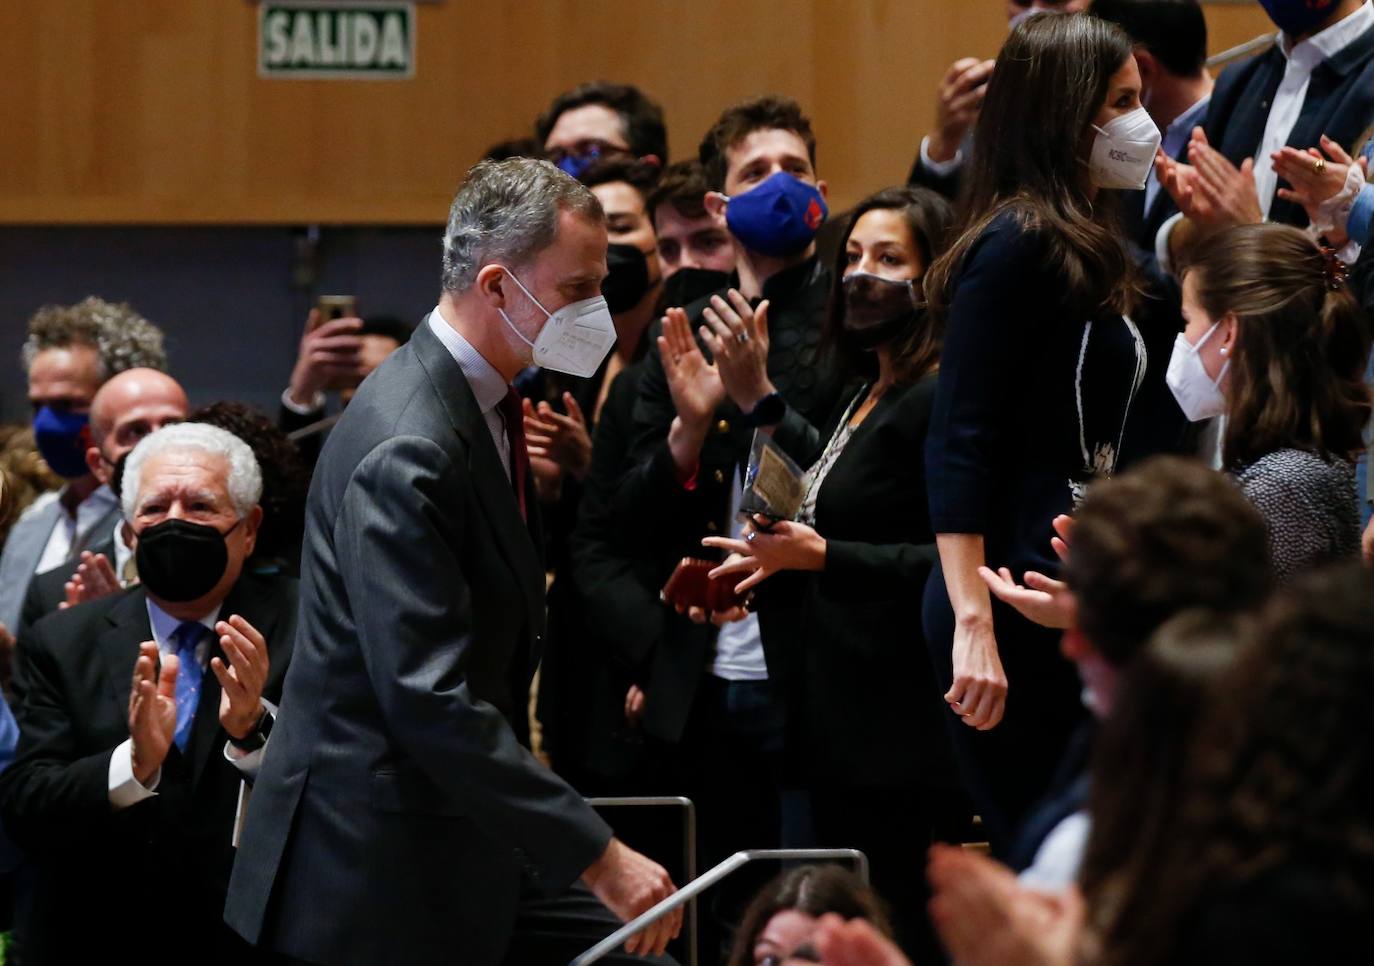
<point>336,40</point>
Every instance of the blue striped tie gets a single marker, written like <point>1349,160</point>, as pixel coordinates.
<point>185,639</point>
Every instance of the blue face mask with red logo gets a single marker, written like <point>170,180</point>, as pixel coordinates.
<point>779,217</point>
<point>62,439</point>
<point>1297,17</point>
<point>576,165</point>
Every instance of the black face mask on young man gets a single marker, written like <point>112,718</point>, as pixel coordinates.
<point>627,278</point>
<point>181,561</point>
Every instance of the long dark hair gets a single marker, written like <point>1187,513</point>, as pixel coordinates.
<point>1281,777</point>
<point>1141,761</point>
<point>929,217</point>
<point>814,890</point>
<point>1029,159</point>
<point>1297,371</point>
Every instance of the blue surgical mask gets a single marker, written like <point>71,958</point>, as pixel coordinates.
<point>1297,17</point>
<point>576,165</point>
<point>779,217</point>
<point>62,439</point>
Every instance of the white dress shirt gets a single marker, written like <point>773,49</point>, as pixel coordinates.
<point>125,789</point>
<point>488,386</point>
<point>739,644</point>
<point>73,532</point>
<point>1303,58</point>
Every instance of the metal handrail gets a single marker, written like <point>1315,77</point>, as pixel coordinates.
<point>314,429</point>
<point>689,846</point>
<point>1258,45</point>
<point>709,878</point>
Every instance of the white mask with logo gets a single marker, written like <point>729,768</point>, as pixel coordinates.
<point>1198,394</point>
<point>1124,151</point>
<point>575,340</point>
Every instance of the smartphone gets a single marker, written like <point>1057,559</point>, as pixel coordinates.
<point>331,307</point>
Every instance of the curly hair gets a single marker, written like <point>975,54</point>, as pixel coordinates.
<point>121,337</point>
<point>1282,772</point>
<point>285,478</point>
<point>25,470</point>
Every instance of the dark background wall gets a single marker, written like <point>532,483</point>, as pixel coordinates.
<point>232,301</point>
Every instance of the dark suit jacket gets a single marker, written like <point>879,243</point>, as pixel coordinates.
<point>397,806</point>
<point>671,519</point>
<point>48,591</point>
<point>149,879</point>
<point>845,645</point>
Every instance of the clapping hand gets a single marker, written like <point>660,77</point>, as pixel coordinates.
<point>694,383</point>
<point>94,578</point>
<point>1317,177</point>
<point>152,710</point>
<point>1043,600</point>
<point>1229,192</point>
<point>737,335</point>
<point>562,439</point>
<point>242,680</point>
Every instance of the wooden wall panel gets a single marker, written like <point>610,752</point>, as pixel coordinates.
<point>151,111</point>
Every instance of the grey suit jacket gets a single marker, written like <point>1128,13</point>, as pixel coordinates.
<point>397,808</point>
<point>24,548</point>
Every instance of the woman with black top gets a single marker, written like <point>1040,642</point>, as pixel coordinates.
<point>1037,380</point>
<point>1277,344</point>
<point>839,630</point>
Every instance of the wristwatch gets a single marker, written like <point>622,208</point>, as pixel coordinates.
<point>256,738</point>
<point>768,411</point>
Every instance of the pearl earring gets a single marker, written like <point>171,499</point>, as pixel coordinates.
<point>1223,350</point>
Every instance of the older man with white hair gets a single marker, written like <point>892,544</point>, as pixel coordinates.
<point>141,715</point>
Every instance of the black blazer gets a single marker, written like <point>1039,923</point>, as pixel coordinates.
<point>398,804</point>
<point>99,872</point>
<point>846,643</point>
<point>670,519</point>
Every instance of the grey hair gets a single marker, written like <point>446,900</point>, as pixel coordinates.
<point>507,211</point>
<point>121,337</point>
<point>245,478</point>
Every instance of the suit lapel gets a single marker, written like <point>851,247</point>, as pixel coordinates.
<point>23,550</point>
<point>489,480</point>
<point>126,628</point>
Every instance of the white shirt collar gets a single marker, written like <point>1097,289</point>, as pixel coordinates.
<point>488,386</point>
<point>1329,42</point>
<point>164,625</point>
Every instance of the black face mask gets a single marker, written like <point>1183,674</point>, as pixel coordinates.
<point>686,285</point>
<point>878,310</point>
<point>181,561</point>
<point>628,279</point>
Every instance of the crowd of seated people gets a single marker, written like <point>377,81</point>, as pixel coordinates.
<point>1071,432</point>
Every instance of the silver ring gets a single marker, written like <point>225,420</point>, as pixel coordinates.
<point>751,536</point>
<point>741,337</point>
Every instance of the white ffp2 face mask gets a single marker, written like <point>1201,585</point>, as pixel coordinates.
<point>1124,151</point>
<point>575,339</point>
<point>1198,394</point>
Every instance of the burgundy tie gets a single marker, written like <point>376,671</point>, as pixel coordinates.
<point>514,415</point>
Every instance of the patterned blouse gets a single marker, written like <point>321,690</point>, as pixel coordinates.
<point>1309,505</point>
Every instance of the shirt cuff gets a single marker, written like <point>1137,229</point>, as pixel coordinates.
<point>940,168</point>
<point>316,404</point>
<point>249,763</point>
<point>1358,225</point>
<point>1162,243</point>
<point>125,789</point>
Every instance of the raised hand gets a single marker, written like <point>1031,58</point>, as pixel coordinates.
<point>152,710</point>
<point>737,335</point>
<point>694,383</point>
<point>962,90</point>
<point>241,682</point>
<point>94,578</point>
<point>565,440</point>
<point>329,358</point>
<point>629,884</point>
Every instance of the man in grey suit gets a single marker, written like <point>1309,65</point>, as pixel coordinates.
<point>70,352</point>
<point>399,815</point>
